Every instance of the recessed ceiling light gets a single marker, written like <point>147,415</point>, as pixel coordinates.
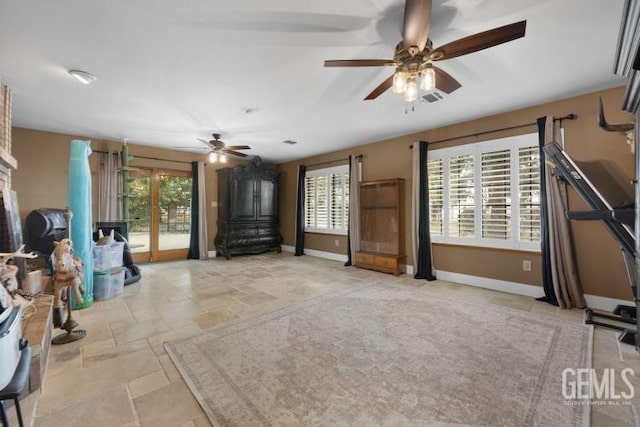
<point>83,76</point>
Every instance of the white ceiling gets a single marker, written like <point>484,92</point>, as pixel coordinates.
<point>173,71</point>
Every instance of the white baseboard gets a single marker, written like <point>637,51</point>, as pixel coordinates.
<point>494,284</point>
<point>288,248</point>
<point>319,254</point>
<point>326,255</point>
<point>593,301</point>
<point>604,303</point>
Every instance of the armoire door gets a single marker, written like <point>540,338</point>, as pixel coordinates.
<point>267,200</point>
<point>243,205</point>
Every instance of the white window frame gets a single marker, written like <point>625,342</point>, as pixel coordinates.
<point>476,149</point>
<point>328,172</point>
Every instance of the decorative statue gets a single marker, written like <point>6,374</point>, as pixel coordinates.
<point>68,272</point>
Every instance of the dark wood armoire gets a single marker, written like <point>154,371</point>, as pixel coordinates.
<point>247,210</point>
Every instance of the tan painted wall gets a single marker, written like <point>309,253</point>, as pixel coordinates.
<point>43,158</point>
<point>599,261</point>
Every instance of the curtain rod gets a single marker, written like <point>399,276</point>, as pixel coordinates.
<point>358,156</point>
<point>570,116</point>
<point>148,158</point>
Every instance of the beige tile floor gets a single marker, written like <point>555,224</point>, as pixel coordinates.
<point>120,375</point>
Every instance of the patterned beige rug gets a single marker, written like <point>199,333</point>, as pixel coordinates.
<point>386,355</point>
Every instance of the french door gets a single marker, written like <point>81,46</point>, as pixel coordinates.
<point>159,214</point>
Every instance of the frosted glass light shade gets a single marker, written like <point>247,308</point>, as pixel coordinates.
<point>399,82</point>
<point>411,94</point>
<point>428,79</point>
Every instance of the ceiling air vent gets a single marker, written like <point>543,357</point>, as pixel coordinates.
<point>290,142</point>
<point>434,96</point>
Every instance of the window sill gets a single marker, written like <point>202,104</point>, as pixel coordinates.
<point>323,231</point>
<point>473,245</point>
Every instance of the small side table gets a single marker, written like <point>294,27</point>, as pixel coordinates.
<point>16,386</point>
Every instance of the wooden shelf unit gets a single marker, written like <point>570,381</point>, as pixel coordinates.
<point>382,226</point>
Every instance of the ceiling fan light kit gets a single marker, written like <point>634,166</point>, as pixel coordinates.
<point>219,151</point>
<point>414,55</point>
<point>215,157</point>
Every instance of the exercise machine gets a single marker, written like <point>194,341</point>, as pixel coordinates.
<point>614,206</point>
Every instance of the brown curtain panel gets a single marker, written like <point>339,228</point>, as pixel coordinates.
<point>353,237</point>
<point>109,186</point>
<point>562,267</point>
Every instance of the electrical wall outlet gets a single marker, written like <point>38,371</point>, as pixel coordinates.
<point>526,265</point>
<point>337,242</point>
<point>214,204</point>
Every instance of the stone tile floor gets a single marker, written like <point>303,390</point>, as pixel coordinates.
<point>120,375</point>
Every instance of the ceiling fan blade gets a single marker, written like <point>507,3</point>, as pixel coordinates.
<point>417,20</point>
<point>479,41</point>
<point>192,148</point>
<point>236,147</point>
<point>235,153</point>
<point>380,89</point>
<point>359,62</point>
<point>445,82</point>
<point>203,140</point>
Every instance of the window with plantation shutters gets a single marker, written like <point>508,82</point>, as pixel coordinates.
<point>486,194</point>
<point>327,200</point>
<point>436,197</point>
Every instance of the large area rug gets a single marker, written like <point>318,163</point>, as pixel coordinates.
<point>383,354</point>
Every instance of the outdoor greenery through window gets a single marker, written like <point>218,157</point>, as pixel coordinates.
<point>172,210</point>
<point>486,194</point>
<point>326,201</point>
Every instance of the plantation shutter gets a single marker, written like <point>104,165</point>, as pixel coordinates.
<point>310,202</point>
<point>338,199</point>
<point>529,194</point>
<point>461,197</point>
<point>322,202</point>
<point>496,195</point>
<point>436,197</point>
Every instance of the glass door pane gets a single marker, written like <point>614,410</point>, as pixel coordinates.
<point>174,197</point>
<point>140,212</point>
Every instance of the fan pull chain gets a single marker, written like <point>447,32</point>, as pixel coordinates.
<point>406,107</point>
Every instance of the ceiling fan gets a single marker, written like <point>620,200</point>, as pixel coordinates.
<point>414,55</point>
<point>219,150</point>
